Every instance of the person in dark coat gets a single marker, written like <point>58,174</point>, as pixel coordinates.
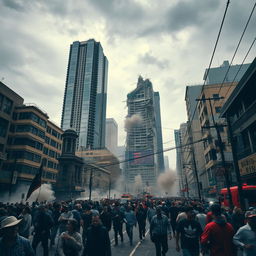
<point>118,220</point>
<point>43,222</point>
<point>141,216</point>
<point>97,242</point>
<point>106,218</point>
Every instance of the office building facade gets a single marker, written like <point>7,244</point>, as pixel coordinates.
<point>31,137</point>
<point>240,110</point>
<point>85,97</point>
<point>142,137</point>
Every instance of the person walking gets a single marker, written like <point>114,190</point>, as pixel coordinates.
<point>141,216</point>
<point>201,217</point>
<point>25,225</point>
<point>188,232</point>
<point>70,242</point>
<point>97,242</point>
<point>245,237</point>
<point>106,218</point>
<point>118,219</point>
<point>86,220</point>
<point>130,221</point>
<point>43,222</point>
<point>11,243</point>
<point>218,235</point>
<point>151,212</point>
<point>159,230</point>
<point>55,215</point>
<point>173,216</point>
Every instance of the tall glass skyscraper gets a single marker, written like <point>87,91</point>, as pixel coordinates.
<point>85,98</point>
<point>144,137</point>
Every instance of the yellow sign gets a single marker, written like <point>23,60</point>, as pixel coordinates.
<point>247,165</point>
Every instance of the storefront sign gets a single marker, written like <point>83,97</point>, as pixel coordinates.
<point>247,165</point>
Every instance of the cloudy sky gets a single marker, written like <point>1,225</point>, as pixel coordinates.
<point>168,41</point>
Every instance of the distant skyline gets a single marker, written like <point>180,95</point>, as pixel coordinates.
<point>168,41</point>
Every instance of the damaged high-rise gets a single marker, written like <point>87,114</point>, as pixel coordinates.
<point>144,147</point>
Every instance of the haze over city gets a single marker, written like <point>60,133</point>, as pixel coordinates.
<point>169,42</point>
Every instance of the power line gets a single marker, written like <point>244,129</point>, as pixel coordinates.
<point>240,40</point>
<point>151,154</point>
<point>240,67</point>
<point>213,53</point>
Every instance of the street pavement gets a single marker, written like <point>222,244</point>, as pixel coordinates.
<point>139,248</point>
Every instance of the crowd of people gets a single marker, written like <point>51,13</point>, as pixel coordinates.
<point>82,227</point>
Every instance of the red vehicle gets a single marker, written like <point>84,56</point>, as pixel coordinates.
<point>249,193</point>
<point>126,197</point>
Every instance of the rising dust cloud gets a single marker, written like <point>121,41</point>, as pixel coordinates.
<point>132,122</point>
<point>166,180</point>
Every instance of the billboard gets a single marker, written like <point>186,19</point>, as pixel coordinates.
<point>141,157</point>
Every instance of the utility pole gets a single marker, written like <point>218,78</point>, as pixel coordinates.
<point>194,161</point>
<point>223,162</point>
<point>236,166</point>
<point>90,186</point>
<point>109,188</point>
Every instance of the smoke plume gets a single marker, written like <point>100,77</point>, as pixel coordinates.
<point>45,193</point>
<point>166,180</point>
<point>137,184</point>
<point>133,121</point>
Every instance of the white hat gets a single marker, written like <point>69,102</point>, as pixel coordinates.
<point>9,222</point>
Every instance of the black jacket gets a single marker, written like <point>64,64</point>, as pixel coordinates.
<point>97,243</point>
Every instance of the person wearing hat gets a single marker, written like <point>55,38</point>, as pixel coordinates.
<point>245,237</point>
<point>11,243</point>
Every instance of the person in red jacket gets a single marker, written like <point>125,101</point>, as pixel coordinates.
<point>218,235</point>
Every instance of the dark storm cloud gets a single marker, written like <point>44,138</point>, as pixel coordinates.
<point>189,13</point>
<point>13,4</point>
<point>149,59</point>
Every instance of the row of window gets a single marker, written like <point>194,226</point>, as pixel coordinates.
<point>52,165</point>
<point>29,116</point>
<point>26,169</point>
<point>53,132</point>
<point>51,153</point>
<point>5,104</point>
<point>24,155</point>
<point>28,128</point>
<point>52,142</point>
<point>25,141</point>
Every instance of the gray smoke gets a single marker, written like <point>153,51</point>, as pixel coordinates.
<point>133,121</point>
<point>166,180</point>
<point>138,184</point>
<point>45,193</point>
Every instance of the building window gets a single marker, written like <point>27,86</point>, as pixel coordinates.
<point>7,105</point>
<point>217,109</point>
<point>216,96</point>
<point>1,101</point>
<point>3,127</point>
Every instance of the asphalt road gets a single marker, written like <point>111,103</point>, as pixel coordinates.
<point>139,248</point>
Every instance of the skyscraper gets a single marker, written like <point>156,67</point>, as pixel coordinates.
<point>111,135</point>
<point>159,138</point>
<point>85,98</point>
<point>143,128</point>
